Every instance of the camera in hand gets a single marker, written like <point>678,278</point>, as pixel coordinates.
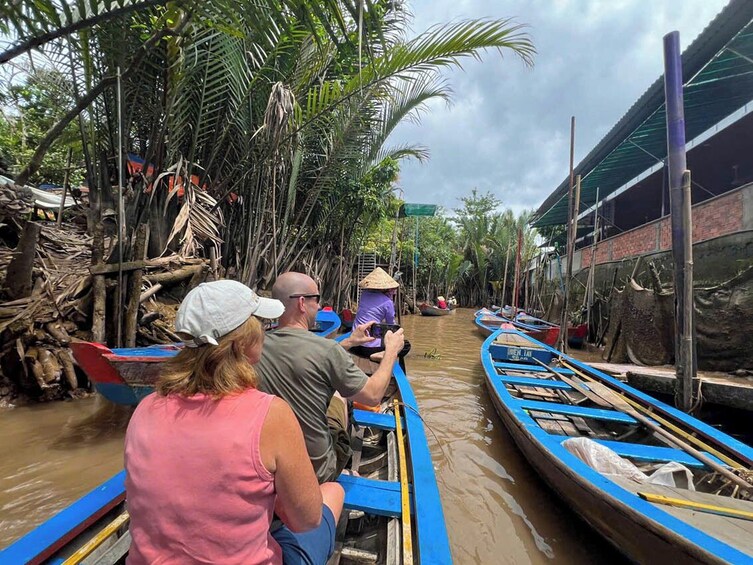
<point>378,330</point>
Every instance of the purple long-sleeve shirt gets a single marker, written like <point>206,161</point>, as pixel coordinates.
<point>374,306</point>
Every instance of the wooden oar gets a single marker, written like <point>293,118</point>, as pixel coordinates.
<point>404,494</point>
<point>578,385</point>
<point>667,424</point>
<point>619,403</point>
<point>697,506</point>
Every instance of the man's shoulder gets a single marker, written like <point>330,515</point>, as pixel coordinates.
<point>298,338</point>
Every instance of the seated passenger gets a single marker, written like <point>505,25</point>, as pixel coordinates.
<point>376,306</point>
<point>307,370</point>
<point>209,458</point>
<point>441,303</point>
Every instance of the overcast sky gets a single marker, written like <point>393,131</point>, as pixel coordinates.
<point>507,130</point>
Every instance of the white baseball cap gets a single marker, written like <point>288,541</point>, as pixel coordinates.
<point>214,309</point>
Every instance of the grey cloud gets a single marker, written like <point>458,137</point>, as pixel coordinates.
<point>508,129</point>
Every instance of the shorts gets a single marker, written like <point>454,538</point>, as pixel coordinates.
<point>336,418</point>
<point>308,548</point>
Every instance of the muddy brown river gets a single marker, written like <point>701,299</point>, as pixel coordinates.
<point>496,507</point>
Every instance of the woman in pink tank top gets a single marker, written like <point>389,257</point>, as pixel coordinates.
<point>210,459</point>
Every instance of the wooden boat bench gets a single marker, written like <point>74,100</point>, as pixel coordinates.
<point>570,410</point>
<point>531,368</point>
<point>377,420</point>
<point>371,495</point>
<point>650,453</point>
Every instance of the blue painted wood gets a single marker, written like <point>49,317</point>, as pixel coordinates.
<point>372,496</point>
<point>653,453</point>
<point>432,541</point>
<point>530,368</point>
<point>374,419</point>
<point>736,448</point>
<point>551,445</point>
<point>531,381</point>
<point>524,354</point>
<point>582,411</point>
<point>37,541</point>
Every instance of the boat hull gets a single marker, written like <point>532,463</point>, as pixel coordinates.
<point>628,531</point>
<point>644,532</point>
<point>429,310</point>
<point>379,498</point>
<point>125,376</point>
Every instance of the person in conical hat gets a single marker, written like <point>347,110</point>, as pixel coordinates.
<point>441,303</point>
<point>376,307</point>
<point>378,279</point>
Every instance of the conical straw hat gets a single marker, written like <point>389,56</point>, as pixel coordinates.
<point>378,279</point>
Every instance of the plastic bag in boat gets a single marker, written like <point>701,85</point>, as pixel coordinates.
<point>673,474</point>
<point>603,459</point>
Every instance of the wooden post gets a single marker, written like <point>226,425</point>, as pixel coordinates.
<point>18,278</point>
<point>679,203</point>
<point>99,290</point>
<point>562,343</point>
<point>592,269</point>
<point>572,232</point>
<point>134,288</point>
<point>687,336</point>
<point>516,287</point>
<point>65,186</point>
<point>504,280</point>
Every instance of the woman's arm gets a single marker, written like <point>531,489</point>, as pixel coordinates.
<point>283,452</point>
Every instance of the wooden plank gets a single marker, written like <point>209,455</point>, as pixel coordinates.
<point>374,419</point>
<point>595,413</point>
<point>528,381</point>
<point>530,368</point>
<point>650,453</point>
<point>371,496</point>
<point>550,426</point>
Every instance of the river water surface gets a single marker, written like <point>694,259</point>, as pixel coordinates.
<point>496,507</point>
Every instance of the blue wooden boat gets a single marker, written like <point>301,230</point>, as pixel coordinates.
<point>587,434</point>
<point>126,375</point>
<point>393,510</point>
<point>488,322</point>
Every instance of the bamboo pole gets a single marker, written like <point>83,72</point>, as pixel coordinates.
<point>121,215</point>
<point>592,268</point>
<point>681,230</point>
<point>65,187</point>
<point>516,288</point>
<point>687,338</point>
<point>504,280</point>
<point>573,223</point>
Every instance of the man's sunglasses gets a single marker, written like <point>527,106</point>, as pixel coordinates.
<point>317,296</point>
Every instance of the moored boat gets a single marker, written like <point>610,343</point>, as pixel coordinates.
<point>430,310</point>
<point>603,447</point>
<point>488,322</point>
<point>393,513</point>
<point>126,375</point>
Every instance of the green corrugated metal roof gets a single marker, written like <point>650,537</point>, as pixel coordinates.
<point>718,78</point>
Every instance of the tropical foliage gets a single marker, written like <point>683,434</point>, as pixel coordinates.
<point>278,111</point>
<point>470,255</point>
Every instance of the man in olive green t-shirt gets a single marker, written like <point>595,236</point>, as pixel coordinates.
<point>307,370</point>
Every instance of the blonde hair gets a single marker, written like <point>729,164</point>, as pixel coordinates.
<point>214,370</point>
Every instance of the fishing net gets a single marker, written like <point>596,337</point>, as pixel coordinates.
<point>641,326</point>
